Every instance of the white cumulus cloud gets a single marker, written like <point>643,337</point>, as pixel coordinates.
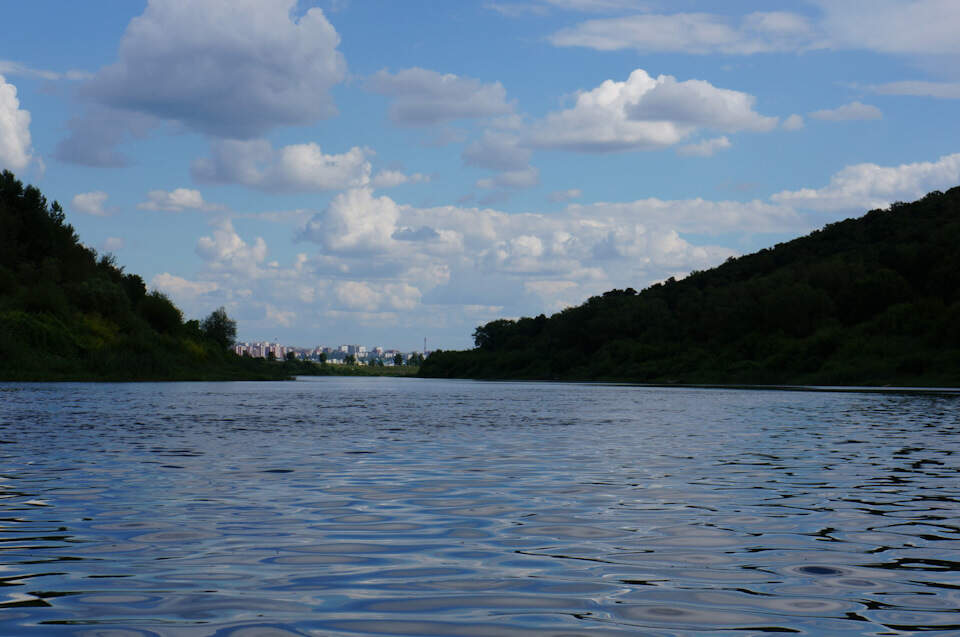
<point>176,200</point>
<point>357,221</point>
<point>646,113</point>
<point>90,203</point>
<point>297,167</point>
<point>699,103</point>
<point>866,186</point>
<point>420,97</point>
<point>706,148</point>
<point>226,251</point>
<point>15,150</point>
<point>233,68</point>
<point>179,288</point>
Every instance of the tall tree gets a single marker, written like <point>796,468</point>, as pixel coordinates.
<point>220,328</point>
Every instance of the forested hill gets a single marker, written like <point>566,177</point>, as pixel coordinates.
<point>868,301</point>
<point>67,314</point>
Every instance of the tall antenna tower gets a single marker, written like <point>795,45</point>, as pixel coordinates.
<point>424,345</point>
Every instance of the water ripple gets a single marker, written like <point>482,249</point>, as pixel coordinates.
<point>343,507</point>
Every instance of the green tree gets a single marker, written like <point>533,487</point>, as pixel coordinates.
<point>290,356</point>
<point>157,309</point>
<point>398,359</point>
<point>220,328</point>
<point>350,359</point>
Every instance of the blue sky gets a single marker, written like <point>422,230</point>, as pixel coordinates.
<point>377,172</point>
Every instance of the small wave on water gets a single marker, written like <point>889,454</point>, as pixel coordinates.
<point>451,508</point>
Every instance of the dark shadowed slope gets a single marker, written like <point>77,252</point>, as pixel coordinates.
<point>868,301</point>
<point>67,314</point>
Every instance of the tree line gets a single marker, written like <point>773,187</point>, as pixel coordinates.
<point>867,301</point>
<point>67,312</point>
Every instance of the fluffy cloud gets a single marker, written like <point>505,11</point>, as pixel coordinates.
<point>503,152</point>
<point>379,263</point>
<point>180,288</point>
<point>866,186</point>
<point>90,203</point>
<point>697,216</point>
<point>231,68</point>
<point>368,243</point>
<point>298,167</point>
<point>95,135</point>
<point>706,148</point>
<point>15,151</point>
<point>366,297</point>
<point>369,261</point>
<point>848,112</point>
<point>497,150</point>
<point>420,97</point>
<point>699,103</point>
<point>355,221</point>
<point>226,251</point>
<point>645,113</point>
<point>176,201</point>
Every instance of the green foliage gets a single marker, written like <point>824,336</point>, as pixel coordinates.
<point>874,300</point>
<point>67,314</point>
<point>220,328</point>
<point>160,312</point>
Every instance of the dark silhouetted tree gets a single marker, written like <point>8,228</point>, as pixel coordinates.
<point>220,328</point>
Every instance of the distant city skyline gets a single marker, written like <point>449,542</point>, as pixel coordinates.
<point>383,171</point>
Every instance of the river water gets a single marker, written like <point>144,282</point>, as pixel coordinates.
<point>378,506</point>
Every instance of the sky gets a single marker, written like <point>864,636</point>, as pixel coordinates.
<point>379,172</point>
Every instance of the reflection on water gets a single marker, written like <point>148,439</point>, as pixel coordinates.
<point>404,507</point>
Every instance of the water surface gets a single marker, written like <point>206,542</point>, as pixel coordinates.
<point>378,506</point>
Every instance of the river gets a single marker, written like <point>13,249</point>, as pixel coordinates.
<point>390,506</point>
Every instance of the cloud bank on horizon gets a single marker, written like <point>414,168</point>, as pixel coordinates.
<point>377,172</point>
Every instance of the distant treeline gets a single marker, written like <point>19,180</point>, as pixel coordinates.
<point>868,301</point>
<point>67,313</point>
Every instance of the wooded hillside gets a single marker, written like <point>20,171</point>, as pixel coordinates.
<point>868,301</point>
<point>67,313</point>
